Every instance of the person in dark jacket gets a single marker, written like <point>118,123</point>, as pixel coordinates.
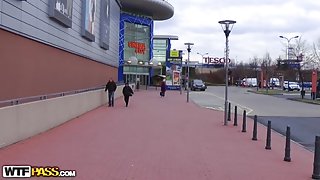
<point>163,89</point>
<point>127,92</point>
<point>111,88</point>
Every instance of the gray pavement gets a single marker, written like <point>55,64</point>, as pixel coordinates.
<point>303,118</point>
<point>262,105</point>
<point>303,130</point>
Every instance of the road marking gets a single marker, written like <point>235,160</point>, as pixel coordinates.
<point>249,110</point>
<point>208,107</point>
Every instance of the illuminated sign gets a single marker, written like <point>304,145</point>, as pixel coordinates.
<point>140,48</point>
<point>174,53</point>
<point>216,60</point>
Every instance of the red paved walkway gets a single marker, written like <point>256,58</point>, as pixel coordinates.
<point>159,139</point>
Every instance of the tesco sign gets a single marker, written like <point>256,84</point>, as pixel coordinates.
<point>216,60</point>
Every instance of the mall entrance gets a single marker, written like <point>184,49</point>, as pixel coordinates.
<point>135,77</point>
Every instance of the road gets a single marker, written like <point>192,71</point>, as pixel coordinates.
<point>304,119</point>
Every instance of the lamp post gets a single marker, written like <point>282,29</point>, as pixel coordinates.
<point>180,78</point>
<point>288,40</point>
<point>202,55</point>
<point>227,26</point>
<point>187,82</point>
<point>287,53</point>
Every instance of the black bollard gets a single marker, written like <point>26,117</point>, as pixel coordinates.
<point>235,123</point>
<point>316,162</point>
<point>229,112</point>
<point>268,143</point>
<point>244,123</point>
<point>287,148</point>
<point>255,130</point>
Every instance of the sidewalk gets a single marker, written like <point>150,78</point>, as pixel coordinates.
<point>160,139</point>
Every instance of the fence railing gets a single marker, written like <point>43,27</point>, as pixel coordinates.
<point>28,99</point>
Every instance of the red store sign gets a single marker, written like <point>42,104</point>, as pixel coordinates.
<point>140,48</point>
<point>216,60</point>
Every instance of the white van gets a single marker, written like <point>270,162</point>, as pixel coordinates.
<point>250,82</point>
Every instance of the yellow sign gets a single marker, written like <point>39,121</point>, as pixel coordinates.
<point>174,53</point>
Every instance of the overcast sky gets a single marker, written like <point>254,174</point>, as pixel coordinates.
<point>259,25</point>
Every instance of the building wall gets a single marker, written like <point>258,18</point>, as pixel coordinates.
<point>38,56</point>
<point>29,68</point>
<point>31,19</point>
<point>22,121</point>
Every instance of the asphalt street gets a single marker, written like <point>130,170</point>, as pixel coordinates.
<point>304,119</point>
<point>303,130</point>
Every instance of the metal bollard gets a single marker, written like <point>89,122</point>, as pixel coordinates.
<point>268,143</point>
<point>235,123</point>
<point>316,162</point>
<point>244,122</point>
<point>255,130</point>
<point>229,112</point>
<point>287,148</point>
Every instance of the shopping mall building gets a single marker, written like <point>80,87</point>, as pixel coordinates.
<point>52,46</point>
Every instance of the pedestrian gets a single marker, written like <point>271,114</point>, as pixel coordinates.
<point>127,92</point>
<point>163,89</point>
<point>111,88</point>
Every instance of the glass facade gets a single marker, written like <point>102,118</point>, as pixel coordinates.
<point>135,47</point>
<point>136,42</point>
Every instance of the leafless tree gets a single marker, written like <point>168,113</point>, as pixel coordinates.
<point>315,62</point>
<point>255,65</point>
<point>266,66</point>
<point>305,57</point>
<point>301,49</point>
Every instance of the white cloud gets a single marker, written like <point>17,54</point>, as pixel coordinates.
<point>259,24</point>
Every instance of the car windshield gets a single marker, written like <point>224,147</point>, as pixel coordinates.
<point>196,81</point>
<point>293,83</point>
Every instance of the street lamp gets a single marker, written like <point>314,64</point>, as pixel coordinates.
<point>187,82</point>
<point>202,55</point>
<point>288,40</point>
<point>227,26</point>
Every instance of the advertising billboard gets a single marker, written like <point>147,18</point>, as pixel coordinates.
<point>104,24</point>
<point>88,19</point>
<point>173,70</point>
<point>61,11</point>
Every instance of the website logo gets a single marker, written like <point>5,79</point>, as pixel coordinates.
<point>18,171</point>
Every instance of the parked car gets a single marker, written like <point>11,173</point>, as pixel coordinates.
<point>306,84</point>
<point>291,86</point>
<point>198,84</point>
